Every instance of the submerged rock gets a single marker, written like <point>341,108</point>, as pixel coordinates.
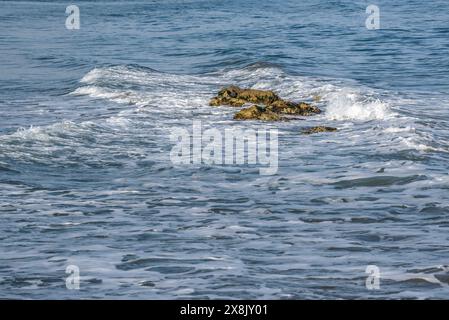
<point>319,129</point>
<point>257,113</point>
<point>317,98</point>
<point>237,97</point>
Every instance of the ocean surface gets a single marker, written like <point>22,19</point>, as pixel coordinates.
<point>86,178</point>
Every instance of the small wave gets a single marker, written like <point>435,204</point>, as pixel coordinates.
<point>69,130</point>
<point>412,142</point>
<point>144,87</point>
<point>119,96</point>
<point>399,129</point>
<point>64,133</point>
<point>433,275</point>
<point>120,73</point>
<point>381,181</point>
<point>40,133</point>
<point>347,105</point>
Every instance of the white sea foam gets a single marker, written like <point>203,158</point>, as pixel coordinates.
<point>399,129</point>
<point>118,121</point>
<point>43,134</point>
<point>34,133</point>
<point>92,75</point>
<point>413,142</point>
<point>347,105</point>
<point>119,74</point>
<point>118,96</point>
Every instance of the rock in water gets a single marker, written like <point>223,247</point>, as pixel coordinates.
<point>237,97</point>
<point>287,107</point>
<point>257,113</point>
<point>319,129</point>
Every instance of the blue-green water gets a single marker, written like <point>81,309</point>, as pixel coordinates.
<point>86,178</point>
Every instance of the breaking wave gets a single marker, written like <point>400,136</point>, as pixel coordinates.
<point>347,105</point>
<point>148,100</point>
<point>343,103</point>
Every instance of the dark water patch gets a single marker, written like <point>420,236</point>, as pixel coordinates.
<point>170,269</point>
<point>7,169</point>
<point>349,249</point>
<point>418,283</point>
<point>132,264</point>
<point>435,209</point>
<point>443,278</point>
<point>382,181</point>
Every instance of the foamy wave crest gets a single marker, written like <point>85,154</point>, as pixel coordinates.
<point>347,105</point>
<point>43,134</point>
<point>92,76</point>
<point>144,87</point>
<point>119,74</point>
<point>119,96</point>
<point>258,72</point>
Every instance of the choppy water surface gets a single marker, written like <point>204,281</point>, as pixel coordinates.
<point>86,178</point>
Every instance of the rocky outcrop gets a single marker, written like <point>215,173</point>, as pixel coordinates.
<point>287,107</point>
<point>266,106</point>
<point>257,113</point>
<point>237,97</point>
<point>319,129</point>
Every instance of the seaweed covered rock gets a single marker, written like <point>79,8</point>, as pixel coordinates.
<point>319,129</point>
<point>257,113</point>
<point>219,101</point>
<point>258,96</point>
<point>237,97</point>
<point>287,107</point>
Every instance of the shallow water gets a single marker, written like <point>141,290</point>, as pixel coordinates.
<point>86,178</point>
